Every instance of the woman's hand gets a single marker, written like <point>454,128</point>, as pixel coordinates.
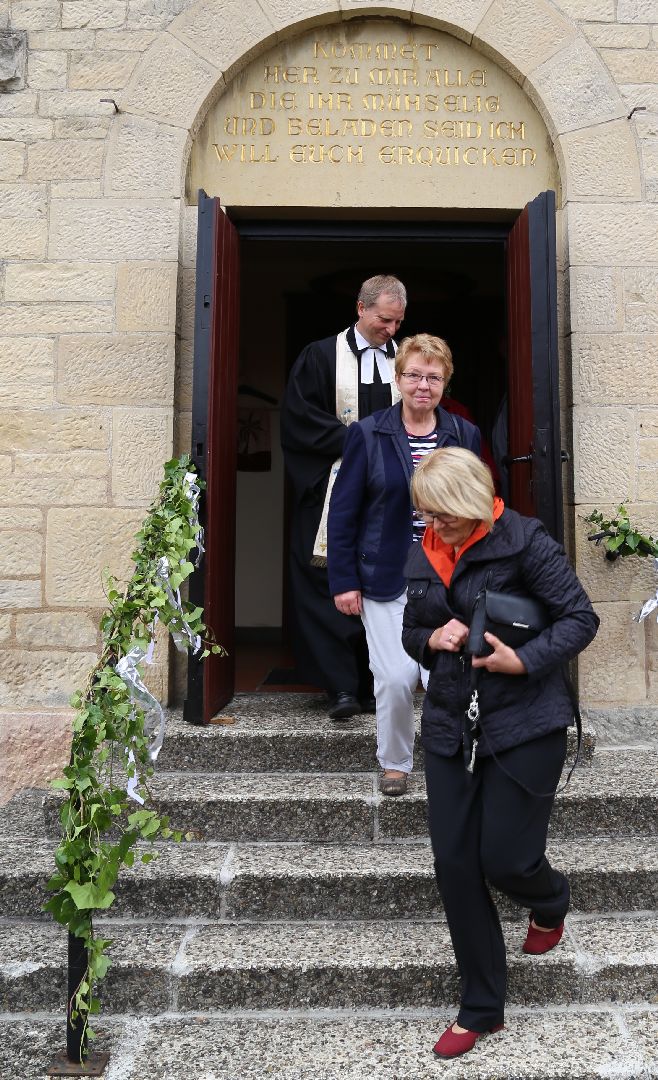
<point>450,637</point>
<point>349,603</point>
<point>502,660</point>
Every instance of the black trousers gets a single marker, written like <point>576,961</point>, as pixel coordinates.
<point>330,648</point>
<point>485,826</point>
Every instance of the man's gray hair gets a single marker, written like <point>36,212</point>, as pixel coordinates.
<point>373,288</point>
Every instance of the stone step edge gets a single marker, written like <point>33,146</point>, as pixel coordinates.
<point>420,1012</point>
<point>581,1043</point>
<point>561,848</point>
<point>573,949</point>
<point>258,881</point>
<point>171,971</point>
<point>246,728</point>
<point>183,923</point>
<point>606,763</point>
<point>215,809</point>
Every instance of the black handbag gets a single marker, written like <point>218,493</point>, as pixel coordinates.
<point>512,618</point>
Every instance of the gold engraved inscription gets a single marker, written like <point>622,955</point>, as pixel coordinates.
<point>394,102</point>
<point>452,129</point>
<point>477,104</point>
<point>444,77</point>
<point>363,128</point>
<point>259,100</point>
<point>384,50</point>
<point>317,153</point>
<point>278,73</point>
<point>334,100</point>
<point>246,154</point>
<point>506,130</point>
<point>349,76</point>
<point>457,155</point>
<point>408,102</point>
<point>363,50</point>
<point>393,76</point>
<point>249,125</point>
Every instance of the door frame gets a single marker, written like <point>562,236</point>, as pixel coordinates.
<point>214,451</point>
<point>328,230</point>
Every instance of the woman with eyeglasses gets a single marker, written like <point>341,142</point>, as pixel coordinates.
<point>372,525</point>
<point>489,800</point>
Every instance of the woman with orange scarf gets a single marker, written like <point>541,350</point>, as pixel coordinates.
<point>490,824</point>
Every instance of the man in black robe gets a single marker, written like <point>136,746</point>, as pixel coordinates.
<point>330,648</point>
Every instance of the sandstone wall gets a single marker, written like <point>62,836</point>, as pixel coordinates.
<point>97,292</point>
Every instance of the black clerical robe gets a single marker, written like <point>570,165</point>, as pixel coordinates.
<point>330,648</point>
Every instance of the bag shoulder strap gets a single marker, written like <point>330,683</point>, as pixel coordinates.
<point>474,708</point>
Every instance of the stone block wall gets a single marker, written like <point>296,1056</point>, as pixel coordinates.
<point>97,292</point>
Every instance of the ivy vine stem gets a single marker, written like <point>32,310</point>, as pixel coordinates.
<point>101,822</point>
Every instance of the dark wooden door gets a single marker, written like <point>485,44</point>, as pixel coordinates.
<point>214,446</point>
<point>533,397</point>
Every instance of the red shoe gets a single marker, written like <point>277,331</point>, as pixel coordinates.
<point>451,1044</point>
<point>541,941</point>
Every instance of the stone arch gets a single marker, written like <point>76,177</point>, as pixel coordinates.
<point>190,64</point>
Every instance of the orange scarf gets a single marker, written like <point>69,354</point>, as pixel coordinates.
<point>443,557</point>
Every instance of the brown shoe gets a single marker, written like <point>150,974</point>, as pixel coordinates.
<point>393,785</point>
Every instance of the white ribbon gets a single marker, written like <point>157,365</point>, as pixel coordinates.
<point>193,492</point>
<point>133,781</point>
<point>127,668</point>
<point>650,605</point>
<point>182,632</point>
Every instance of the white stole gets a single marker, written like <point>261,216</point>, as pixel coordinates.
<point>347,411</point>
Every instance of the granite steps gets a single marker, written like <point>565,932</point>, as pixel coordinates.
<point>614,797</point>
<point>321,881</point>
<point>288,733</point>
<point>302,958</point>
<point>191,966</point>
<point>547,1043</point>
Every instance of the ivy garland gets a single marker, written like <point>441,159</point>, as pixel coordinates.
<point>110,755</point>
<point>620,537</point>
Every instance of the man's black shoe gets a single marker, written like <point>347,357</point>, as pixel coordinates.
<point>368,704</point>
<point>343,705</point>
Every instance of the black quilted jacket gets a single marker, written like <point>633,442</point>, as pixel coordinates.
<point>520,557</point>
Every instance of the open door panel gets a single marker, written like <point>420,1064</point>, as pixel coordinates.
<point>214,444</point>
<point>534,454</point>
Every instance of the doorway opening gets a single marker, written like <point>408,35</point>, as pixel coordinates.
<point>299,282</point>
<point>294,270</point>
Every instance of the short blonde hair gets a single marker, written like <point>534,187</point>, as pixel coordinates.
<point>454,481</point>
<point>430,348</point>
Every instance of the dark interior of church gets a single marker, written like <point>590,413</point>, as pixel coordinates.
<point>295,290</point>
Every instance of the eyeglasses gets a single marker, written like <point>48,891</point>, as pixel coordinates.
<point>443,519</point>
<point>414,378</point>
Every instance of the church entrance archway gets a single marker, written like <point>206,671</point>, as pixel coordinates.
<point>487,287</point>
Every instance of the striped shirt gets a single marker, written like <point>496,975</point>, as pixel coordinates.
<point>420,446</point>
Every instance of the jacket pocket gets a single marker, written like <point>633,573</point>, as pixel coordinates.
<point>417,588</point>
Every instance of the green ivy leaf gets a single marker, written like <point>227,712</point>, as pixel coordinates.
<point>88,896</point>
